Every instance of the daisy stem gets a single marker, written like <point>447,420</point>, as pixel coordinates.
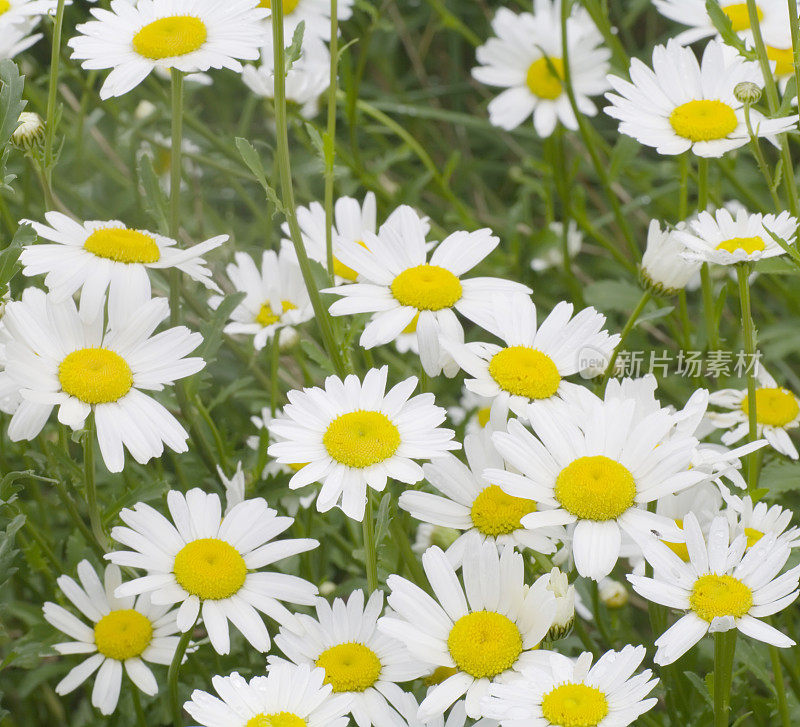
<point>52,94</point>
<point>175,187</point>
<point>794,26</point>
<point>724,650</point>
<point>630,323</point>
<point>275,362</point>
<point>370,553</point>
<point>321,314</point>
<point>749,334</point>
<point>137,706</point>
<point>705,276</point>
<point>172,678</point>
<point>780,687</point>
<point>329,140</point>
<point>91,486</point>
<point>762,163</point>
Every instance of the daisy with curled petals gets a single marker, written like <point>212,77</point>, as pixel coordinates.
<point>681,105</point>
<point>561,691</point>
<point>777,413</point>
<point>97,257</point>
<point>188,35</point>
<point>759,519</point>
<point>211,564</point>
<point>526,58</point>
<point>125,633</point>
<point>594,468</point>
<point>354,434</point>
<point>289,696</point>
<point>56,359</point>
<point>403,289</point>
<point>472,504</point>
<point>485,631</point>
<point>533,363</point>
<point>316,14</point>
<point>276,299</point>
<point>358,660</point>
<point>722,587</point>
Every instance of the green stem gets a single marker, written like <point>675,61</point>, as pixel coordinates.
<point>724,649</point>
<point>780,687</point>
<point>95,519</point>
<point>683,195</point>
<point>330,137</point>
<point>275,362</point>
<point>705,276</point>
<point>52,93</point>
<point>137,706</point>
<point>631,322</point>
<point>172,679</point>
<point>794,26</point>
<point>749,334</point>
<point>175,189</point>
<point>370,553</point>
<point>761,161</point>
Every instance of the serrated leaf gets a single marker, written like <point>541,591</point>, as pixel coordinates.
<point>725,28</point>
<point>253,161</point>
<point>154,198</point>
<point>11,103</point>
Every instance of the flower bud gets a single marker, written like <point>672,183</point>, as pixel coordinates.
<point>747,92</point>
<point>29,131</point>
<point>558,585</point>
<point>612,593</point>
<point>663,270</point>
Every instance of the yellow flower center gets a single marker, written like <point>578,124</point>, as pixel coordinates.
<point>595,488</point>
<point>784,60</point>
<point>276,719</point>
<point>714,596</point>
<point>350,667</point>
<point>339,268</point>
<point>95,375</point>
<point>266,317</point>
<point>703,120</point>
<point>484,644</point>
<point>574,705</point>
<point>739,17</point>
<point>541,80</point>
<point>753,536</point>
<point>484,414</point>
<point>679,549</point>
<point>123,634</point>
<point>525,372</point>
<point>5,6</point>
<point>361,438</point>
<point>210,569</point>
<point>439,674</point>
<point>169,37</point>
<point>122,245</point>
<point>427,287</point>
<point>496,513</point>
<point>775,407</point>
<point>289,6</point>
<point>748,244</point>
<point>412,327</point>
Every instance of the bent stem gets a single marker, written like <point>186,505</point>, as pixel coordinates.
<point>172,678</point>
<point>631,322</point>
<point>175,187</point>
<point>749,334</point>
<point>724,650</point>
<point>370,552</point>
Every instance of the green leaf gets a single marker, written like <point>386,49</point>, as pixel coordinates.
<point>613,295</point>
<point>154,198</point>
<point>11,103</point>
<point>780,476</point>
<point>723,25</point>
<point>253,161</point>
<point>294,51</point>
<point>212,330</point>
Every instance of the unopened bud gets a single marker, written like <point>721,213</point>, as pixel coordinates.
<point>558,585</point>
<point>29,131</point>
<point>612,593</point>
<point>747,92</point>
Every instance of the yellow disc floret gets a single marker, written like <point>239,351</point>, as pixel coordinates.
<point>714,596</point>
<point>276,719</point>
<point>524,371</point>
<point>169,37</point>
<point>739,16</point>
<point>210,569</point>
<point>289,6</point>
<point>574,705</point>
<point>123,634</point>
<point>775,407</point>
<point>541,80</point>
<point>267,318</point>
<point>361,438</point>
<point>595,488</point>
<point>95,375</point>
<point>427,287</point>
<point>123,245</point>
<point>703,120</point>
<point>496,513</point>
<point>753,536</point>
<point>748,244</point>
<point>339,268</point>
<point>484,644</point>
<point>784,60</point>
<point>679,549</point>
<point>350,667</point>
<point>5,6</point>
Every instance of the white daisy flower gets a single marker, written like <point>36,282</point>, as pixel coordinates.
<point>526,58</point>
<point>289,696</point>
<point>594,468</point>
<point>457,716</point>
<point>472,410</point>
<point>726,239</point>
<point>316,14</point>
<point>681,105</point>
<point>99,257</point>
<point>759,519</point>
<point>473,505</point>
<point>534,362</point>
<point>21,12</point>
<point>358,660</point>
<point>778,43</point>
<point>276,299</point>
<point>307,79</point>
<point>722,587</point>
<point>212,563</point>
<point>401,287</point>
<point>188,35</point>
<point>561,691</point>
<point>234,486</point>
<point>55,359</point>
<point>125,633</point>
<point>17,37</point>
<point>351,435</point>
<point>553,256</point>
<point>486,630</point>
<point>777,413</point>
<point>664,270</point>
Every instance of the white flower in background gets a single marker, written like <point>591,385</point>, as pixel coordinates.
<point>722,587</point>
<point>777,413</point>
<point>558,583</point>
<point>234,487</point>
<point>560,691</point>
<point>664,270</point>
<point>15,14</point>
<point>125,633</point>
<point>472,410</point>
<point>352,435</point>
<point>759,519</point>
<point>456,718</point>
<point>188,35</point>
<point>289,696</point>
<point>487,630</point>
<point>17,37</point>
<point>316,14</point>
<point>612,593</point>
<point>778,42</point>
<point>211,564</point>
<point>306,80</point>
<point>772,14</point>
<point>553,255</point>
<point>276,299</point>
<point>402,288</point>
<point>472,504</point>
<point>526,58</point>
<point>55,359</point>
<point>681,105</point>
<point>725,239</point>
<point>358,660</point>
<point>534,362</point>
<point>99,257</point>
<point>594,468</point>
<point>159,151</point>
<point>428,535</point>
